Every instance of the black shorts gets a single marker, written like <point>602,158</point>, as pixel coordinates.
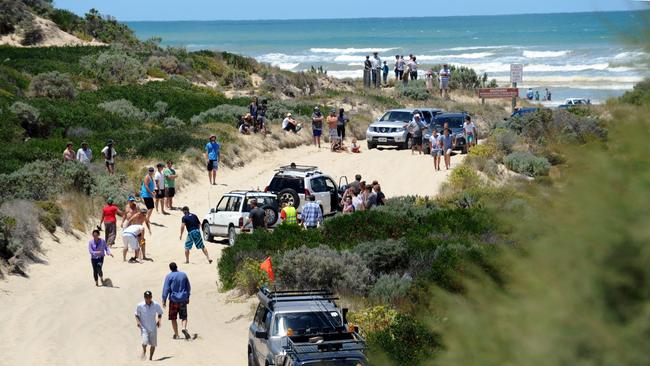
<point>109,164</point>
<point>213,165</point>
<point>170,192</point>
<point>148,202</point>
<point>160,193</point>
<point>417,140</point>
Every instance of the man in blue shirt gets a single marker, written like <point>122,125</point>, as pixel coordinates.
<point>312,215</point>
<point>177,288</point>
<point>193,225</point>
<point>212,155</point>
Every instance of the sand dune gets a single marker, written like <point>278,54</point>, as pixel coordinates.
<point>58,316</point>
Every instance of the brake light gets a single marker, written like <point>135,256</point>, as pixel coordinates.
<point>266,189</point>
<point>307,193</point>
<point>241,222</point>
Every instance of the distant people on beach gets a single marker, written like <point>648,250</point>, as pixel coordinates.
<point>84,154</point>
<point>376,69</point>
<point>290,124</point>
<point>537,95</point>
<point>385,72</point>
<point>109,219</point>
<point>159,179</point>
<point>367,72</point>
<point>435,144</point>
<point>354,146</point>
<point>245,126</point>
<point>444,77</point>
<point>399,67</point>
<point>317,125</point>
<point>212,152</point>
<point>332,124</point>
<point>261,117</point>
<point>342,121</point>
<point>109,153</point>
<point>413,68</point>
<point>530,94</point>
<point>98,249</point>
<point>148,315</point>
<point>547,95</point>
<point>429,80</point>
<point>170,184</point>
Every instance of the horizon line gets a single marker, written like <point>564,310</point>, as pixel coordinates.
<point>388,17</point>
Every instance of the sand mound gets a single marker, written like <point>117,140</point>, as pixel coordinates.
<point>53,36</point>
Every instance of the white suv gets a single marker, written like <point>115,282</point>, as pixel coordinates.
<point>293,182</point>
<point>230,216</point>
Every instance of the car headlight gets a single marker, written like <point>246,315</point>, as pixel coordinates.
<point>400,129</point>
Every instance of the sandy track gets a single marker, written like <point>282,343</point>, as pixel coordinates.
<point>58,317</point>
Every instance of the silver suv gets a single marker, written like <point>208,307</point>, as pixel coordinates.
<point>301,328</point>
<point>390,129</point>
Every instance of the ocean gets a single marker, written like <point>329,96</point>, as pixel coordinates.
<point>588,55</point>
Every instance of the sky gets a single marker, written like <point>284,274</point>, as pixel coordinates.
<point>132,10</point>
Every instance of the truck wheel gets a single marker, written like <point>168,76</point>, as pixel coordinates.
<point>251,358</point>
<point>370,145</point>
<point>289,195</point>
<point>232,236</point>
<point>408,144</point>
<point>271,215</point>
<point>207,236</point>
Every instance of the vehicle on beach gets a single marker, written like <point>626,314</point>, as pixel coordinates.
<point>390,129</point>
<point>292,183</point>
<point>524,111</point>
<point>574,102</point>
<point>303,327</point>
<point>228,219</point>
<point>455,123</point>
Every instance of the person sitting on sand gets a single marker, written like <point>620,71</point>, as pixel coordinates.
<point>193,225</point>
<point>245,128</point>
<point>289,124</point>
<point>332,122</point>
<point>355,147</point>
<point>145,315</point>
<point>177,288</point>
<point>98,249</point>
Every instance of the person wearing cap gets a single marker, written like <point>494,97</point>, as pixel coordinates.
<point>159,179</point>
<point>317,125</point>
<point>444,77</point>
<point>170,184</point>
<point>131,237</point>
<point>110,220</point>
<point>84,154</point>
<point>130,210</point>
<point>289,124</point>
<point>148,191</point>
<point>332,123</point>
<point>148,315</point>
<point>177,288</point>
<point>193,225</point>
<point>415,128</point>
<point>98,249</point>
<point>212,151</point>
<point>109,154</point>
<point>68,153</point>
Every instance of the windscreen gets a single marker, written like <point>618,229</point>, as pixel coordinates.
<point>280,183</point>
<point>262,202</point>
<point>399,116</point>
<point>306,323</point>
<point>453,122</point>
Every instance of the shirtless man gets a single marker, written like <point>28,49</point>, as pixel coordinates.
<point>130,210</point>
<point>141,219</point>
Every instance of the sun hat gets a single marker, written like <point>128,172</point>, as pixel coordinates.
<point>151,169</point>
<point>131,199</point>
<point>213,135</point>
<point>289,114</point>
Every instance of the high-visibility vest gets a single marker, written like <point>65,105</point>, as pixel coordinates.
<point>290,213</point>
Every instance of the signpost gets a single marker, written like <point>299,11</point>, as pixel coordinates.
<point>493,93</point>
<point>516,76</point>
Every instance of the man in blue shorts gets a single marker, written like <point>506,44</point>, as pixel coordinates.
<point>317,125</point>
<point>193,225</point>
<point>212,149</point>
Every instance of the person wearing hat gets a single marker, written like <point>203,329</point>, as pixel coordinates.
<point>109,156</point>
<point>148,191</point>
<point>193,225</point>
<point>130,210</point>
<point>148,315</point>
<point>68,153</point>
<point>289,124</point>
<point>84,154</point>
<point>317,125</point>
<point>110,221</point>
<point>212,150</point>
<point>159,179</point>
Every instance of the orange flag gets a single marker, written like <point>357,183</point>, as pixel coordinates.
<point>268,268</point>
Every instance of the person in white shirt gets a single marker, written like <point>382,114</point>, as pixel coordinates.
<point>471,134</point>
<point>131,237</point>
<point>109,154</point>
<point>148,315</point>
<point>376,69</point>
<point>444,76</point>
<point>413,66</point>
<point>159,178</point>
<point>84,155</point>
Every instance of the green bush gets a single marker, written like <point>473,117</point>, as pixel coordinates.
<point>405,342</point>
<point>236,79</point>
<point>12,82</point>
<point>52,85</point>
<point>640,95</point>
<point>29,118</point>
<point>19,234</point>
<point>51,215</point>
<point>114,67</point>
<point>249,278</point>
<point>124,109</point>
<point>390,289</point>
<point>173,123</point>
<point>168,64</point>
<point>12,13</point>
<point>383,256</point>
<point>504,140</point>
<point>222,113</point>
<point>32,35</point>
<point>463,177</point>
<point>323,267</point>
<point>528,164</point>
<point>415,90</point>
<point>65,19</point>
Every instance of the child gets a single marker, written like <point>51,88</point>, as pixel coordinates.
<point>355,146</point>
<point>436,149</point>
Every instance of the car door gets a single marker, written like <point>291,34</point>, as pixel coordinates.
<point>259,345</point>
<point>262,344</point>
<point>233,212</point>
<point>220,222</point>
<point>322,193</point>
<point>335,199</point>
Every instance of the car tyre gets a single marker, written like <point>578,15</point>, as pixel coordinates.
<point>290,195</point>
<point>408,144</point>
<point>371,145</point>
<point>232,235</point>
<point>207,236</point>
<point>251,358</point>
<point>464,150</point>
<point>272,215</point>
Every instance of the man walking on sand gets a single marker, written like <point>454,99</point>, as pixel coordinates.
<point>147,316</point>
<point>110,220</point>
<point>447,145</point>
<point>317,125</point>
<point>170,184</point>
<point>159,179</point>
<point>131,237</point>
<point>98,249</point>
<point>148,191</point>
<point>177,288</point>
<point>212,150</point>
<point>193,225</point>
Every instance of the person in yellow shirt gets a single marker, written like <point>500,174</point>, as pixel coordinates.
<point>288,214</point>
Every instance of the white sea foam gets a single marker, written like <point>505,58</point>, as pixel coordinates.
<point>503,67</point>
<point>277,58</point>
<point>545,54</point>
<point>349,50</point>
<point>344,74</point>
<point>630,55</point>
<point>473,48</point>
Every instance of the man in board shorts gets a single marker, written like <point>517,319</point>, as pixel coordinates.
<point>177,289</point>
<point>193,225</point>
<point>212,149</point>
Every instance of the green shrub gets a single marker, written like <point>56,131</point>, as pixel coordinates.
<point>124,109</point>
<point>168,64</point>
<point>236,79</point>
<point>52,85</point>
<point>222,113</point>
<point>75,175</point>
<point>65,19</point>
<point>156,73</point>
<point>415,90</point>
<point>504,140</point>
<point>383,256</point>
<point>372,320</point>
<point>32,35</point>
<point>12,82</point>
<point>51,215</point>
<point>390,289</point>
<point>29,118</point>
<point>323,267</point>
<point>640,95</point>
<point>528,164</point>
<point>114,67</point>
<point>483,150</point>
<point>173,122</point>
<point>160,111</point>
<point>249,277</point>
<point>405,342</point>
<point>463,177</point>
<point>19,234</point>
<point>12,13</point>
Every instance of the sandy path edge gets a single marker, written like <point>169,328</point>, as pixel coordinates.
<point>58,317</point>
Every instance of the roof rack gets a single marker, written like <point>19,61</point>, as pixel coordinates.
<point>298,168</point>
<point>273,297</point>
<point>322,343</point>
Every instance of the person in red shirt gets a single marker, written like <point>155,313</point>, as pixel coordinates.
<point>110,221</point>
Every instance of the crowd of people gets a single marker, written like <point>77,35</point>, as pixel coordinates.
<point>84,154</point>
<point>534,95</point>
<point>255,120</point>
